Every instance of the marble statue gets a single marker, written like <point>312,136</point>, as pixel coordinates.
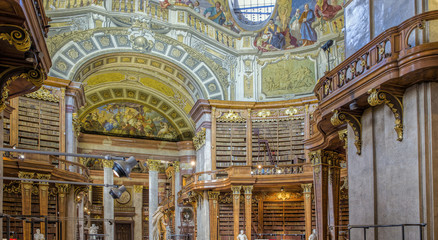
<point>93,230</point>
<point>38,235</point>
<point>159,225</point>
<point>242,236</point>
<point>313,236</point>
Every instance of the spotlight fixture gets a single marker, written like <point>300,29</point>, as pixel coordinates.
<point>117,192</point>
<point>122,168</point>
<point>282,189</point>
<point>353,106</point>
<point>327,45</point>
<point>21,156</point>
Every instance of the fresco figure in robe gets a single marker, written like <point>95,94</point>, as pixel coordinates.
<point>325,10</point>
<point>216,14</point>
<point>276,38</point>
<point>308,34</point>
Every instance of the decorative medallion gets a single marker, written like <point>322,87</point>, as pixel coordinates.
<point>231,116</point>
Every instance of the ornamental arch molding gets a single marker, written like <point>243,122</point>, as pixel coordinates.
<point>71,51</point>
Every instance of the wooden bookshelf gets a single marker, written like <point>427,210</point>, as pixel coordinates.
<point>52,213</point>
<point>285,137</point>
<point>283,217</point>
<point>12,206</point>
<point>230,144</point>
<point>38,124</point>
<point>145,222</point>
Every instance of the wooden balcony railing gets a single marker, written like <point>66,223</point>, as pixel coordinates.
<point>278,170</point>
<point>388,47</point>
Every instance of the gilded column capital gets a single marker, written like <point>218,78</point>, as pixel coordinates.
<point>176,166</point>
<point>26,175</point>
<point>138,188</point>
<point>213,195</point>
<point>63,188</point>
<point>236,189</point>
<point>307,188</point>
<point>107,163</point>
<point>154,165</point>
<point>43,177</point>
<point>323,157</point>
<point>247,189</point>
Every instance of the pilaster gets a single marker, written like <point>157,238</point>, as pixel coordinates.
<point>334,187</point>
<point>43,188</point>
<point>321,160</point>
<point>138,206</point>
<point>248,203</point>
<point>63,190</point>
<point>178,186</point>
<point>307,192</point>
<point>154,166</point>
<point>26,204</point>
<point>214,209</point>
<point>108,201</point>
<point>236,208</point>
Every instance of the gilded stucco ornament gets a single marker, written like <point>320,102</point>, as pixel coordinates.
<point>44,94</point>
<point>63,188</point>
<point>16,36</point>
<point>291,111</point>
<point>199,139</point>
<point>154,165</point>
<point>264,113</point>
<point>340,118</point>
<point>231,116</point>
<point>343,136</point>
<point>378,97</point>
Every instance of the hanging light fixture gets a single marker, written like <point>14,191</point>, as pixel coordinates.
<point>122,168</point>
<point>117,192</point>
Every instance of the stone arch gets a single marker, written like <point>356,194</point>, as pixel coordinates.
<point>70,51</point>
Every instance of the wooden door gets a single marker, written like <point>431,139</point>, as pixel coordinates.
<point>123,231</point>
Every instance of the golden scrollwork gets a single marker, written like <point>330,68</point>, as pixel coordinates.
<point>247,189</point>
<point>44,94</point>
<point>339,118</point>
<point>213,195</point>
<point>170,171</point>
<point>154,165</point>
<point>264,113</point>
<point>291,111</point>
<point>231,116</point>
<point>42,176</point>
<point>138,188</point>
<point>16,36</point>
<point>378,97</point>
<point>343,136</point>
<point>12,187</point>
<point>199,139</point>
<point>77,124</point>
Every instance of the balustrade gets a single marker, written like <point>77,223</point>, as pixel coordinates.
<point>277,170</point>
<point>69,166</point>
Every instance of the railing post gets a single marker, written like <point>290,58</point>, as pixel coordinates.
<point>364,233</point>
<point>403,232</point>
<point>421,232</point>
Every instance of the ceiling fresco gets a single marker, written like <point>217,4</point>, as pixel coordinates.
<point>128,119</point>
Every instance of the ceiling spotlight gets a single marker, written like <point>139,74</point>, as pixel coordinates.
<point>122,168</point>
<point>117,192</point>
<point>282,189</point>
<point>193,163</point>
<point>21,156</point>
<point>354,106</point>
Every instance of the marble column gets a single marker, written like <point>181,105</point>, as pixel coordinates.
<point>138,206</point>
<point>320,160</point>
<point>81,222</point>
<point>236,208</point>
<point>203,218</point>
<point>43,188</point>
<point>70,135</point>
<point>26,204</point>
<point>154,166</point>
<point>63,190</point>
<point>307,192</point>
<point>71,214</point>
<point>248,210</point>
<point>194,203</point>
<point>334,189</point>
<point>178,186</point>
<point>214,210</point>
<point>108,201</point>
